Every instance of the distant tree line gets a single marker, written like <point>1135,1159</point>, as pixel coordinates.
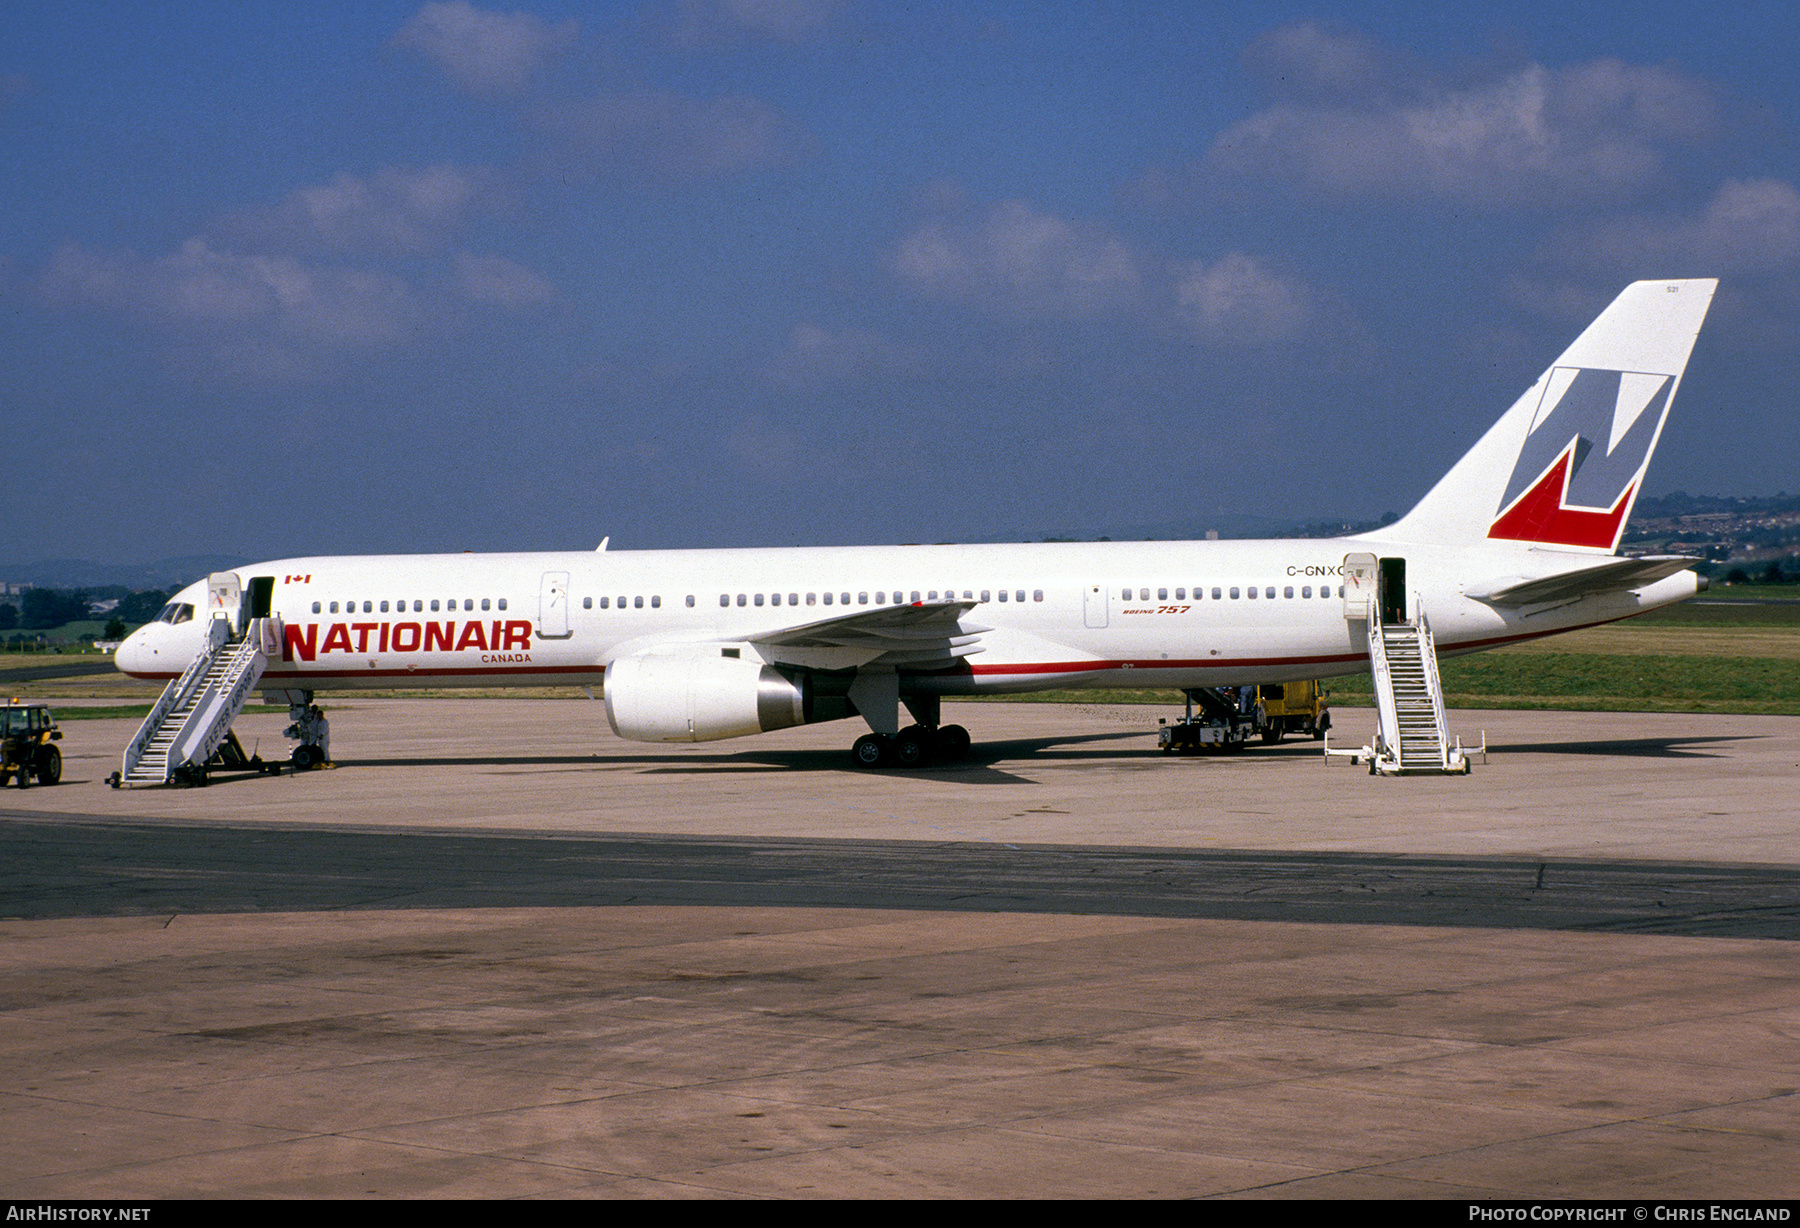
<point>41,609</point>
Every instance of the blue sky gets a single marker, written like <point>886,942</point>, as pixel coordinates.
<point>290,279</point>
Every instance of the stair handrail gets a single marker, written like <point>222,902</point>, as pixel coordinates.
<point>1434,687</point>
<point>245,662</point>
<point>1387,717</point>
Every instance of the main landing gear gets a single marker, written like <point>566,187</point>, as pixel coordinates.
<point>915,746</point>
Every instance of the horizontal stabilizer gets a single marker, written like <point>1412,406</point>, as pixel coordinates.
<point>1619,575</point>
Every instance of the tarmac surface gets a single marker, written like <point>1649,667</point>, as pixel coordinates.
<point>497,952</point>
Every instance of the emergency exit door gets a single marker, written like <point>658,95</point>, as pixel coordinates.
<point>553,606</point>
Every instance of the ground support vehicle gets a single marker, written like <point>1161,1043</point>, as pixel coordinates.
<point>26,753</point>
<point>1293,707</point>
<point>1217,719</point>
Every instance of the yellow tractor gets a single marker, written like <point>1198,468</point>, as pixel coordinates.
<point>26,734</point>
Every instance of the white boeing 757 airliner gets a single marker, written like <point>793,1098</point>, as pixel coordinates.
<point>1517,541</point>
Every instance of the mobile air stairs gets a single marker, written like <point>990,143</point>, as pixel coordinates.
<point>189,728</point>
<point>1411,735</point>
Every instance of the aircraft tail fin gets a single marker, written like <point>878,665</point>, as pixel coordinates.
<point>1564,465</point>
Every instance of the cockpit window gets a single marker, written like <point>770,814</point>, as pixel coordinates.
<point>176,612</point>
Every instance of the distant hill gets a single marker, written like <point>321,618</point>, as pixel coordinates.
<point>82,573</point>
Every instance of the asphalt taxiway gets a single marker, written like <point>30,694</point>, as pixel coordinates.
<point>498,952</point>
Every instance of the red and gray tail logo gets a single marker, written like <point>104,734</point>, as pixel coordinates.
<point>1583,457</point>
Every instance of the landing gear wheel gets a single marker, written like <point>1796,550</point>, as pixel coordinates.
<point>49,766</point>
<point>306,758</point>
<point>953,742</point>
<point>912,747</point>
<point>873,750</point>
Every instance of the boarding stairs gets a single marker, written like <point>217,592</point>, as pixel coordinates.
<point>1412,734</point>
<point>192,720</point>
<point>1409,699</point>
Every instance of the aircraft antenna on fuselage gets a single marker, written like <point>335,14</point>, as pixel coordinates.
<point>602,546</point>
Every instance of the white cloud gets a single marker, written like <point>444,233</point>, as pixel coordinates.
<point>391,210</point>
<point>816,355</point>
<point>1235,301</point>
<point>1534,135</point>
<point>485,53</point>
<point>196,287</point>
<point>492,279</point>
<point>1305,59</point>
<point>1025,259</point>
<point>672,136</point>
<point>1749,226</point>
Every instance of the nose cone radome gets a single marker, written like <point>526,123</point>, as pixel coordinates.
<point>136,656</point>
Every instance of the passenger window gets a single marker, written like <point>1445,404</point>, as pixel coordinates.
<point>843,598</point>
<point>587,603</point>
<point>384,608</point>
<point>637,603</point>
<point>1125,594</point>
<point>862,599</point>
<point>484,603</point>
<point>1037,594</point>
<point>468,603</point>
<point>811,599</point>
<point>794,599</point>
<point>984,594</point>
<point>881,599</point>
<point>1162,594</point>
<point>690,601</point>
<point>742,599</point>
<point>368,607</point>
<point>1003,594</point>
<point>757,599</point>
<point>1269,592</point>
<point>606,603</point>
<point>1306,590</point>
<point>1234,593</point>
<point>827,598</point>
<point>1288,591</point>
<point>1215,595</point>
<point>316,607</point>
<point>1250,592</point>
<point>915,596</point>
<point>656,602</point>
<point>502,603</point>
<point>1181,594</point>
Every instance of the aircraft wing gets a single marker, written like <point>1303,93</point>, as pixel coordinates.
<point>1614,575</point>
<point>914,636</point>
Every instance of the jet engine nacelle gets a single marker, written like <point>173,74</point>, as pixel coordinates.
<point>699,698</point>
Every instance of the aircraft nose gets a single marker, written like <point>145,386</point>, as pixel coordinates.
<point>134,655</point>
